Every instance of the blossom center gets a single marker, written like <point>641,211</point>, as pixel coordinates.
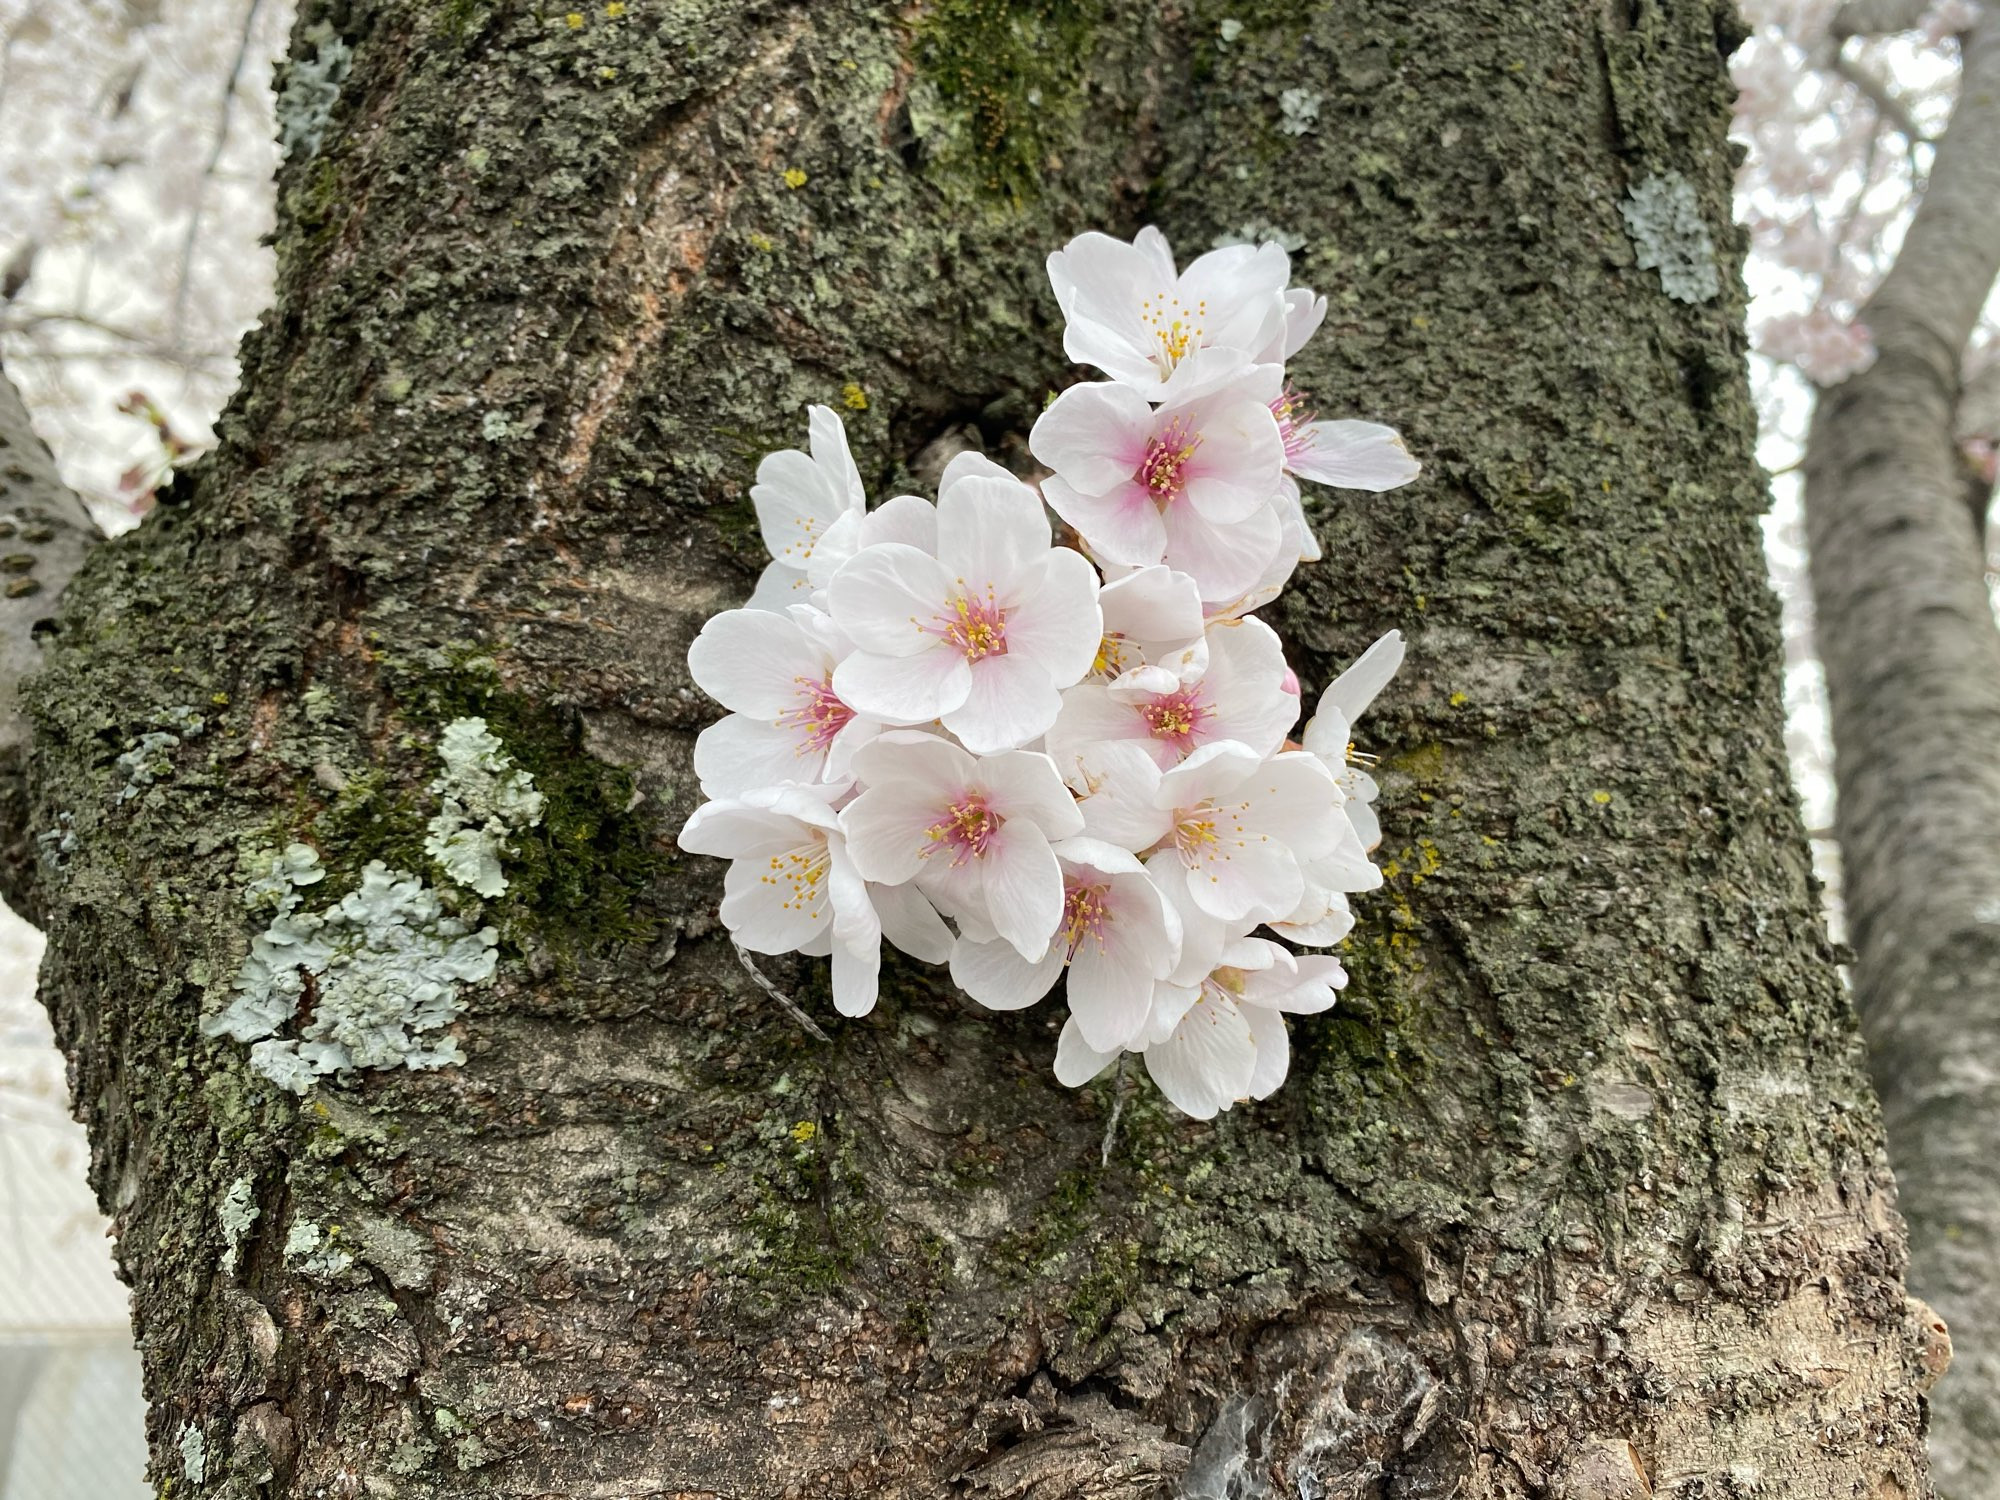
<point>1176,717</point>
<point>1086,910</point>
<point>1163,471</point>
<point>800,875</point>
<point>818,715</point>
<point>1207,833</point>
<point>976,628</point>
<point>966,829</point>
<point>1176,328</point>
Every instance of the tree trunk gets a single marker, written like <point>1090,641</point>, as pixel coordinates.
<point>1906,631</point>
<point>1580,1194</point>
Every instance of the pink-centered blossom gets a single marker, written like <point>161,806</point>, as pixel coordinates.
<point>983,635</point>
<point>787,724</point>
<point>1116,939</point>
<point>1235,692</point>
<point>801,499</point>
<point>972,832</point>
<point>1189,483</point>
<point>1240,826</point>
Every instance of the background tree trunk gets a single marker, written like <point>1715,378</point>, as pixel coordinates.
<point>1580,1194</point>
<point>1906,632</point>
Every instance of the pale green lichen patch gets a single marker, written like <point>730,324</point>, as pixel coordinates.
<point>238,1211</point>
<point>312,87</point>
<point>1664,221</point>
<point>194,1456</point>
<point>485,800</point>
<point>372,980</point>
<point>314,1250</point>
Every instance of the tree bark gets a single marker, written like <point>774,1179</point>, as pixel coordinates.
<point>1581,1193</point>
<point>1906,632</point>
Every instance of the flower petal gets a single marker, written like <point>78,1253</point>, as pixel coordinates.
<point>1354,456</point>
<point>739,754</point>
<point>1077,1062</point>
<point>1122,525</point>
<point>989,530</point>
<point>1209,1061</point>
<point>911,922</point>
<point>1009,702</point>
<point>1053,617</point>
<point>1094,435</point>
<point>886,597</point>
<point>998,977</point>
<point>1023,887</point>
<point>1274,1050</point>
<point>1353,690</point>
<point>904,689</point>
<point>750,661</point>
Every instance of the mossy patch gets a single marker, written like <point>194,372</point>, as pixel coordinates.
<point>1006,75</point>
<point>579,878</point>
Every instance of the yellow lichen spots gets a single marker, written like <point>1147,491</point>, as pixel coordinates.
<point>1459,700</point>
<point>1600,797</point>
<point>574,20</point>
<point>1420,322</point>
<point>804,1131</point>
<point>794,178</point>
<point>220,700</point>
<point>853,397</point>
<point>1422,763</point>
<point>1416,863</point>
<point>607,75</point>
<point>615,9</point>
<point>763,244</point>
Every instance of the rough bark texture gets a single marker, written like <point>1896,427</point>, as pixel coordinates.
<point>1581,1194</point>
<point>1906,631</point>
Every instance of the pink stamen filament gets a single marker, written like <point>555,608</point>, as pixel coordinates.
<point>1086,911</point>
<point>1295,421</point>
<point>818,717</point>
<point>1163,470</point>
<point>977,628</point>
<point>1176,717</point>
<point>966,829</point>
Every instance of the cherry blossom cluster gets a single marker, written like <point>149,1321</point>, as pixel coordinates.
<point>1028,754</point>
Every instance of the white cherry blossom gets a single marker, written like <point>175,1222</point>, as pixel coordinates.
<point>1237,693</point>
<point>1189,483</point>
<point>775,673</point>
<point>1222,1039</point>
<point>792,886</point>
<point>972,832</point>
<point>801,499</point>
<point>984,635</point>
<point>937,712</point>
<point>1239,824</point>
<point>1117,938</point>
<point>1167,333</point>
